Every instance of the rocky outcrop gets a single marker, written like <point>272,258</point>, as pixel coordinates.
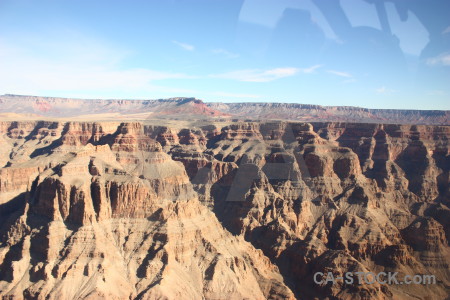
<point>224,210</point>
<point>96,226</point>
<point>177,253</point>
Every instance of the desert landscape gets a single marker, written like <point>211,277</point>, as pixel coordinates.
<point>225,150</point>
<point>181,199</point>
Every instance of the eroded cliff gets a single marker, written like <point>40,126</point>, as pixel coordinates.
<point>221,211</point>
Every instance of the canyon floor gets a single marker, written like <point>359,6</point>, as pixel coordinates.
<point>216,208</point>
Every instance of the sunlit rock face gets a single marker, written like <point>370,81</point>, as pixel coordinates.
<point>182,108</point>
<point>125,210</point>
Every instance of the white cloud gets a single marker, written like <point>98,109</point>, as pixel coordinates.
<point>184,46</point>
<point>384,90</point>
<point>225,53</point>
<point>256,75</point>
<point>65,67</point>
<point>442,59</point>
<point>447,30</point>
<point>311,69</point>
<point>339,73</point>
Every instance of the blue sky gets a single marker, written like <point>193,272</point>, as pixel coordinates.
<point>230,51</point>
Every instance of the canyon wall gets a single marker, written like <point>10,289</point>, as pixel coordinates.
<point>16,107</point>
<point>311,112</point>
<point>239,210</point>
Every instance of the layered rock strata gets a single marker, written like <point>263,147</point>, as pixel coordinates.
<point>16,106</point>
<point>230,211</point>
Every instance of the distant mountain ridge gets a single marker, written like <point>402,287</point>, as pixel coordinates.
<point>189,108</point>
<point>309,112</point>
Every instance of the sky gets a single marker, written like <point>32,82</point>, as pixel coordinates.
<point>340,53</point>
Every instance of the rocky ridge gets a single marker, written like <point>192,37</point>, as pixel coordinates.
<point>244,210</point>
<point>34,107</point>
<point>311,113</point>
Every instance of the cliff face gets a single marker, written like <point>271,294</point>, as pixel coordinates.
<point>308,113</point>
<point>16,106</point>
<point>244,210</point>
<point>34,106</point>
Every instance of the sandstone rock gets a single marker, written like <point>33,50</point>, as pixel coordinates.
<point>226,210</point>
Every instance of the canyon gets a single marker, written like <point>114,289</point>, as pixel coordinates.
<point>98,205</point>
<point>221,211</point>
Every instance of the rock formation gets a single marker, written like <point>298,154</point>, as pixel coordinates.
<point>222,210</point>
<point>35,107</point>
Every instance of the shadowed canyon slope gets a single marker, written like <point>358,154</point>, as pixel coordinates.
<point>16,106</point>
<point>123,210</point>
